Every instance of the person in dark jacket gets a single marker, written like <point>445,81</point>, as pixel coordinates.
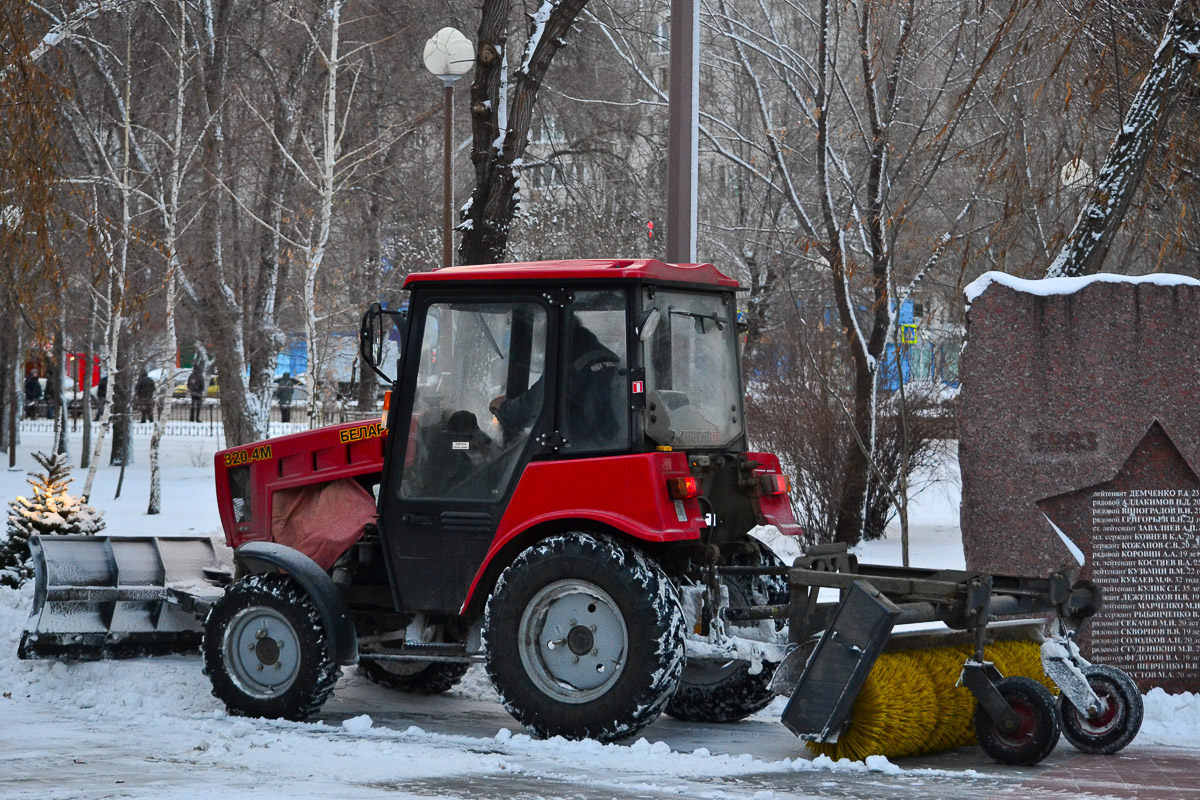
<point>284,395</point>
<point>33,393</point>
<point>101,393</point>
<point>144,392</point>
<point>195,385</point>
<point>591,379</point>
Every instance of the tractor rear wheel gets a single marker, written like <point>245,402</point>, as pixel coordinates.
<point>1119,719</point>
<point>716,691</point>
<point>265,649</point>
<point>1038,731</point>
<point>418,677</point>
<point>584,638</point>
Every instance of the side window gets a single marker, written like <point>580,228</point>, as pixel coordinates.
<point>475,358</point>
<point>596,375</point>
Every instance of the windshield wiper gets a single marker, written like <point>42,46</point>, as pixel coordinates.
<point>491,338</point>
<point>700,319</point>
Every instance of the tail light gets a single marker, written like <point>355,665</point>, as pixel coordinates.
<point>682,488</point>
<point>387,405</point>
<point>774,484</point>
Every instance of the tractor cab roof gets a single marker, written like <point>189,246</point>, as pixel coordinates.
<point>606,269</point>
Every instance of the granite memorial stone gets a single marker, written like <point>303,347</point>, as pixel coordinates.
<point>1079,438</point>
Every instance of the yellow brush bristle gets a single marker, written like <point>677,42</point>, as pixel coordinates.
<point>911,704</point>
<point>1020,658</point>
<point>886,719</point>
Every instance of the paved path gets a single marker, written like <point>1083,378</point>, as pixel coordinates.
<point>61,753</point>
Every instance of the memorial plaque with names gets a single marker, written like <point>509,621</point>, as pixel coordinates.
<point>1139,536</point>
<point>1062,384</point>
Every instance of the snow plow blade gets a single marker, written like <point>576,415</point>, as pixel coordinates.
<point>99,597</point>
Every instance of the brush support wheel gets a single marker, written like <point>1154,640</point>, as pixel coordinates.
<point>1038,732</point>
<point>1119,718</point>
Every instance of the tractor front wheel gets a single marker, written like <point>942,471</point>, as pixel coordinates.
<point>1037,733</point>
<point>584,638</point>
<point>1119,718</point>
<point>266,651</point>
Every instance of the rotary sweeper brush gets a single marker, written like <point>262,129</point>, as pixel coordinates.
<point>562,490</point>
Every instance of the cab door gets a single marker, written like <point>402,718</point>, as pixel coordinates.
<point>440,511</point>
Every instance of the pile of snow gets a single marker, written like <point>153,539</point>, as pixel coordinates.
<point>124,689</point>
<point>1171,719</point>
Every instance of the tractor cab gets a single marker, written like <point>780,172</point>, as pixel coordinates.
<point>541,394</point>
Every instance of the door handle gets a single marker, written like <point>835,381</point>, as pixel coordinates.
<point>415,519</point>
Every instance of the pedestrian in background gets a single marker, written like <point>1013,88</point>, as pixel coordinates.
<point>284,395</point>
<point>195,385</point>
<point>101,392</point>
<point>144,392</point>
<point>33,393</point>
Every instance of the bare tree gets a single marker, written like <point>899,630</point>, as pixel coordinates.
<point>1173,64</point>
<point>501,113</point>
<point>169,206</point>
<point>28,201</point>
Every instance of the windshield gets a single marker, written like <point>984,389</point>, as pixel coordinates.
<point>692,394</point>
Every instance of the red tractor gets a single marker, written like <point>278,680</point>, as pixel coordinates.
<point>564,456</point>
<point>562,489</point>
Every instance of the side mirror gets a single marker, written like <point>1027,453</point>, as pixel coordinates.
<point>372,337</point>
<point>646,324</point>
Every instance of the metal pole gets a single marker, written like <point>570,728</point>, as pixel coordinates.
<point>447,183</point>
<point>683,124</point>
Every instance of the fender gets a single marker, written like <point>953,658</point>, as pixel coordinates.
<point>260,557</point>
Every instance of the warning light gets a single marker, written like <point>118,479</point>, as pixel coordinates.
<point>774,484</point>
<point>682,488</point>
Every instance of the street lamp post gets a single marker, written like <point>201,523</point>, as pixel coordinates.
<point>448,55</point>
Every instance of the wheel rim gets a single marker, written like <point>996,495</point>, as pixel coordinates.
<point>1109,716</point>
<point>262,652</point>
<point>572,640</point>
<point>1026,728</point>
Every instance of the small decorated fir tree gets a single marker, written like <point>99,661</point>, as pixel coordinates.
<point>50,511</point>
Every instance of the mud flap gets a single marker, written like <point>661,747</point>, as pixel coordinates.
<point>118,597</point>
<point>819,707</point>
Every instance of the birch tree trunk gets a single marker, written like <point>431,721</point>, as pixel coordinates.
<point>116,294</point>
<point>85,446</point>
<point>56,386</point>
<point>166,384</point>
<point>326,189</point>
<point>114,303</point>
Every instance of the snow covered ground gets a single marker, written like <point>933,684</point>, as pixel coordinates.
<point>149,728</point>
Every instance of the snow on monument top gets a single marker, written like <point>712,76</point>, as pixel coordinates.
<point>1050,286</point>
